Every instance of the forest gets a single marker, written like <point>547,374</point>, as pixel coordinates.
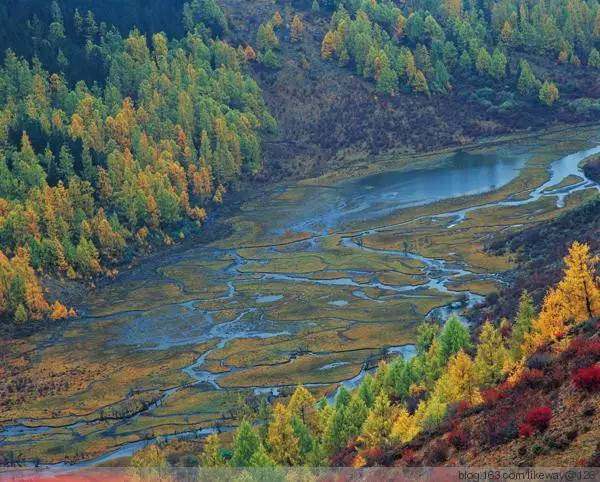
<point>427,45</point>
<point>93,171</point>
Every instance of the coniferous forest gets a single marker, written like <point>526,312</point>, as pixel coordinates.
<point>295,233</point>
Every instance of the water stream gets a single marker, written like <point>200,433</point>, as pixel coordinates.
<point>321,213</point>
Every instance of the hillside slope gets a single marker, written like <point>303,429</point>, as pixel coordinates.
<point>496,434</point>
<point>328,116</point>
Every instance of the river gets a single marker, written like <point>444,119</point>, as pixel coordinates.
<point>315,282</point>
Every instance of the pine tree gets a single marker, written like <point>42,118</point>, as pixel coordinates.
<point>594,59</point>
<point>527,85</point>
<point>387,83</point>
<point>483,61</point>
<point>453,338</point>
<point>441,78</point>
<point>306,443</point>
<point>366,390</point>
<point>522,325</point>
<point>335,433</point>
<point>356,414</point>
<point>426,333</point>
<point>498,63</point>
<point>245,444</point>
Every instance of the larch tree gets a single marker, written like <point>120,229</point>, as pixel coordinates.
<point>297,28</point>
<point>548,94</point>
<point>459,382</point>
<point>491,355</point>
<point>211,452</point>
<point>575,298</point>
<point>283,443</point>
<point>522,325</point>
<point>579,285</point>
<point>378,424</point>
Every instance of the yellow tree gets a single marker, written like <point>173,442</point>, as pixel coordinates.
<point>459,382</point>
<point>302,405</point>
<point>579,287</point>
<point>297,29</point>
<point>277,19</point>
<point>211,452</point>
<point>377,426</point>
<point>405,427</point>
<point>576,297</point>
<point>453,8</point>
<point>328,45</point>
<point>285,446</point>
<point>400,25</point>
<point>491,355</point>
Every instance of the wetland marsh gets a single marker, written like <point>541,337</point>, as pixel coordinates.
<point>316,281</point>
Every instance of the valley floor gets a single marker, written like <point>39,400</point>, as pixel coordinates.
<point>316,282</point>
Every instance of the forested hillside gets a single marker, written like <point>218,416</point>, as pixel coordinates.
<point>115,135</point>
<point>91,171</point>
<point>353,79</point>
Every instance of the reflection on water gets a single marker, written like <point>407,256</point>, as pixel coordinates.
<point>462,174</point>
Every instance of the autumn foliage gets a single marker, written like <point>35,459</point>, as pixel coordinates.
<point>89,175</point>
<point>588,378</point>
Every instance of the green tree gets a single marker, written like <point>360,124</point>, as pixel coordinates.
<point>388,81</point>
<point>246,443</point>
<point>498,65</point>
<point>522,325</point>
<point>594,59</point>
<point>528,84</point>
<point>491,355</point>
<point>483,61</point>
<point>426,333</point>
<point>453,338</point>
<point>441,78</point>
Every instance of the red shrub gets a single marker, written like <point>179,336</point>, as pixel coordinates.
<point>588,378</point>
<point>525,430</point>
<point>582,347</point>
<point>462,407</point>
<point>492,395</point>
<point>500,426</point>
<point>539,418</point>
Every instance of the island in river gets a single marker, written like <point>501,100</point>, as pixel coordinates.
<point>315,282</point>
